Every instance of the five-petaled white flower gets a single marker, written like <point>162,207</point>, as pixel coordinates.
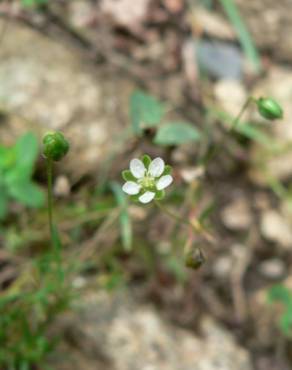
<point>147,179</point>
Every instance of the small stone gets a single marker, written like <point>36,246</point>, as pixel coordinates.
<point>212,23</point>
<point>125,13</point>
<point>272,269</point>
<point>80,13</point>
<point>79,282</point>
<point>231,103</point>
<point>190,174</point>
<point>62,186</point>
<point>275,227</point>
<point>220,59</point>
<point>137,213</point>
<point>222,267</point>
<point>237,215</point>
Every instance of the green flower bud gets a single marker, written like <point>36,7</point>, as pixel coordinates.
<point>55,146</point>
<point>268,108</point>
<point>195,258</point>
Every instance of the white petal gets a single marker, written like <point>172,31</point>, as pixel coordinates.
<point>147,197</point>
<point>137,168</point>
<point>130,187</point>
<point>156,167</point>
<point>163,182</point>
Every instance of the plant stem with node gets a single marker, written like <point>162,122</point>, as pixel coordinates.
<point>50,195</point>
<point>194,223</point>
<point>236,120</point>
<point>55,240</point>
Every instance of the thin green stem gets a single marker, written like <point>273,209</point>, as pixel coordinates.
<point>55,240</point>
<point>50,195</point>
<point>194,224</point>
<point>171,214</point>
<point>236,120</point>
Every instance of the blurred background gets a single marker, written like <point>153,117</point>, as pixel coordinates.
<point>139,290</point>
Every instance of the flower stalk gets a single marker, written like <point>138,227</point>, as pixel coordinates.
<point>50,193</point>
<point>195,224</point>
<point>236,120</point>
<point>55,147</point>
<point>267,108</point>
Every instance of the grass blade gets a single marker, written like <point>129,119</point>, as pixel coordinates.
<point>125,221</point>
<point>245,38</point>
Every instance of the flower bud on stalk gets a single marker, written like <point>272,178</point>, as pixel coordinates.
<point>55,146</point>
<point>268,108</point>
<point>195,258</point>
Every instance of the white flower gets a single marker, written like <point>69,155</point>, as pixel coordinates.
<point>146,179</point>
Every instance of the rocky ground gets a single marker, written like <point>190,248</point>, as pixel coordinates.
<point>78,79</point>
<point>114,332</point>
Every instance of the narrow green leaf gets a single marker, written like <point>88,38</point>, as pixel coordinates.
<point>176,266</point>
<point>176,133</point>
<point>26,153</point>
<point>246,129</point>
<point>280,293</point>
<point>56,239</point>
<point>145,111</point>
<point>244,36</point>
<point>135,198</point>
<point>167,170</point>
<point>160,194</point>
<point>286,322</point>
<point>128,176</point>
<point>125,221</point>
<point>146,160</point>
<point>254,133</point>
<point>32,3</point>
<point>7,157</point>
<point>27,193</point>
<point>3,203</point>
<point>207,212</point>
<point>24,365</point>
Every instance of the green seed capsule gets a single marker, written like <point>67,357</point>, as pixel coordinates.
<point>55,146</point>
<point>195,259</point>
<point>268,108</point>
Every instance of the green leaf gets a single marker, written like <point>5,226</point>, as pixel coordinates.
<point>160,194</point>
<point>7,157</point>
<point>27,193</point>
<point>24,365</point>
<point>207,211</point>
<point>167,170</point>
<point>135,198</point>
<point>128,176</point>
<point>254,133</point>
<point>176,266</point>
<point>286,322</point>
<point>32,3</point>
<point>57,243</point>
<point>246,129</point>
<point>3,203</point>
<point>145,111</point>
<point>26,153</point>
<point>125,221</point>
<point>146,160</point>
<point>280,293</point>
<point>176,133</point>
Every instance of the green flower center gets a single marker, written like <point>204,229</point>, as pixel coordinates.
<point>147,182</point>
